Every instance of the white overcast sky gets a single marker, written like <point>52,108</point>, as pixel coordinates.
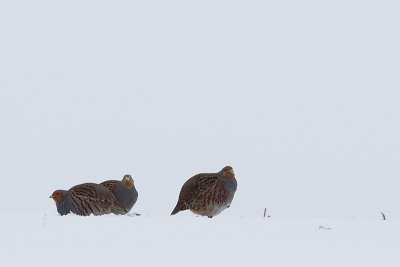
<point>301,98</point>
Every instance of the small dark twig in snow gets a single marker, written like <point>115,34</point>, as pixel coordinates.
<point>265,213</point>
<point>133,214</point>
<point>321,227</point>
<point>383,215</point>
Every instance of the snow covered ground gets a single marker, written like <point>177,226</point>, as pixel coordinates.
<point>36,239</point>
<point>301,98</point>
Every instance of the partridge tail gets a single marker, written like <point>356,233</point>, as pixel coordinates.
<point>179,207</point>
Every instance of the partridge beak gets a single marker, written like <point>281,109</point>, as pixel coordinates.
<point>51,196</point>
<point>231,171</point>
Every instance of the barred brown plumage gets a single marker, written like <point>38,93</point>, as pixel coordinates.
<point>207,194</point>
<point>86,199</point>
<point>124,191</point>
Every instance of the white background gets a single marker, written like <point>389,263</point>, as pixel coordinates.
<point>300,97</point>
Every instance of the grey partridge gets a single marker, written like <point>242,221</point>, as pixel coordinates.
<point>124,191</point>
<point>86,199</point>
<point>207,194</point>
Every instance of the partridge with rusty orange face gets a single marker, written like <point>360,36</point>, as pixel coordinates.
<point>124,191</point>
<point>207,194</point>
<point>86,199</point>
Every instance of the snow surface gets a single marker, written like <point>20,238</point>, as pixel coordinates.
<point>301,98</point>
<point>34,239</point>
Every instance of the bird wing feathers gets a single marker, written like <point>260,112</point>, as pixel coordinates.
<point>93,198</point>
<point>110,184</point>
<point>193,188</point>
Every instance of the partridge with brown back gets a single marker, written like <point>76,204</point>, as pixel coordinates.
<point>124,191</point>
<point>207,194</point>
<point>86,199</point>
